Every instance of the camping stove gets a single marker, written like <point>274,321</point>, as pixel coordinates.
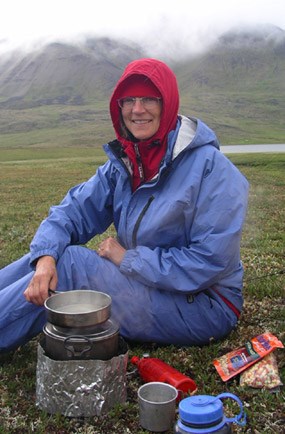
<point>81,387</point>
<point>82,360</point>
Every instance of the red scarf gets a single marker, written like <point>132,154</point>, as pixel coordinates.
<point>145,158</point>
<point>155,79</point>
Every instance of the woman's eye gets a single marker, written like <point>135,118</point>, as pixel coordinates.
<point>128,100</point>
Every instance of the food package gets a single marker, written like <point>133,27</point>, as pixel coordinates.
<point>263,374</point>
<point>242,358</point>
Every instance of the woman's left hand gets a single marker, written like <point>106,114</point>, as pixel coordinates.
<point>112,250</point>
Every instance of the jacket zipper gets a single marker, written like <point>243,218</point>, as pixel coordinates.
<point>138,222</point>
<point>139,161</point>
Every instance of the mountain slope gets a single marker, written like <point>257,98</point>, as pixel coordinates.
<point>240,58</point>
<point>237,86</point>
<point>239,82</point>
<point>64,73</point>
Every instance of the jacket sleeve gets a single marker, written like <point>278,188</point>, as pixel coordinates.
<point>85,211</point>
<point>212,254</point>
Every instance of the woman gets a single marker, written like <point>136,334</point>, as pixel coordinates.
<point>178,206</point>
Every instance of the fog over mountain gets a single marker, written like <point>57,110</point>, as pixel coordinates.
<point>183,26</point>
<point>253,36</point>
<point>63,73</point>
<point>237,82</point>
<point>75,73</point>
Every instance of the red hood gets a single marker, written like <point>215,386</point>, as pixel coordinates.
<point>164,79</point>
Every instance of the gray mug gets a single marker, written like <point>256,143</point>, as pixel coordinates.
<point>157,404</point>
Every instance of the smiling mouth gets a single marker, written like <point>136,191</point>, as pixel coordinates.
<point>141,121</point>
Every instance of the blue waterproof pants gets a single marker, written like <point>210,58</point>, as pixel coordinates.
<point>144,313</point>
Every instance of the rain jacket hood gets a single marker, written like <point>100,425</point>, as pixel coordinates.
<point>165,81</point>
<point>146,156</point>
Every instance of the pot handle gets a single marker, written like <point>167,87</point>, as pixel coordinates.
<point>71,348</point>
<point>53,292</point>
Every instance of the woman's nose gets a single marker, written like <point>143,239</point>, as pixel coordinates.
<point>138,106</point>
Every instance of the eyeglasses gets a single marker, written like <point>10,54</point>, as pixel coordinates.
<point>148,102</point>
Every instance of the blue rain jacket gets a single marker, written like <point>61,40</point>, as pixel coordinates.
<point>181,275</point>
<point>182,230</point>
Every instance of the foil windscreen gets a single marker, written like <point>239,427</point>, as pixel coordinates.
<point>81,388</point>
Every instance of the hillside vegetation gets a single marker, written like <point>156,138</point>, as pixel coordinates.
<point>58,96</point>
<point>238,87</point>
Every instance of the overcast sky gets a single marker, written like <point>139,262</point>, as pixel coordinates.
<point>157,23</point>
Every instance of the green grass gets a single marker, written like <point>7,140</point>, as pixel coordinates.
<point>237,116</point>
<point>29,187</point>
<point>41,155</point>
<point>55,127</point>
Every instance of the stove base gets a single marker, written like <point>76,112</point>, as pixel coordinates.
<point>81,388</point>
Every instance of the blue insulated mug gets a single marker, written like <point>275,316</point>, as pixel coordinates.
<point>203,414</point>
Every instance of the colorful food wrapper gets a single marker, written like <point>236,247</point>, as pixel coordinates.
<point>242,358</point>
<point>262,375</point>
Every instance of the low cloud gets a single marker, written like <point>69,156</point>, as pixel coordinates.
<point>162,27</point>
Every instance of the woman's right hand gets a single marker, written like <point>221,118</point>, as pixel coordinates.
<point>45,278</point>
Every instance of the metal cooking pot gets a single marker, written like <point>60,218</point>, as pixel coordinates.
<point>101,343</point>
<point>78,308</point>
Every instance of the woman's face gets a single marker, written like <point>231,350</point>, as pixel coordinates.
<point>142,120</point>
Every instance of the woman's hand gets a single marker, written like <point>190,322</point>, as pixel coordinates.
<point>45,278</point>
<point>112,250</point>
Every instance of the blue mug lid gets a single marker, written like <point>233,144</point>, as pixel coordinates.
<point>201,409</point>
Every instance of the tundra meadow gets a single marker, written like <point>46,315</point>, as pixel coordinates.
<point>34,179</point>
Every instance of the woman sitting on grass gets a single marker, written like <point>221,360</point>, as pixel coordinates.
<point>178,206</point>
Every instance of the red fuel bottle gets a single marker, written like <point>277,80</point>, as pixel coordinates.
<point>152,369</point>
